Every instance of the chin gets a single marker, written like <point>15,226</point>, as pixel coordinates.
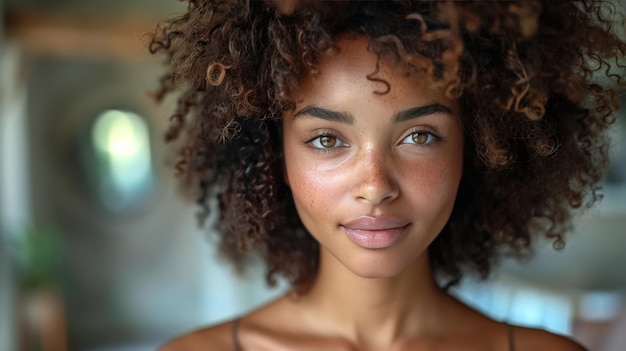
<point>372,269</point>
<point>377,274</point>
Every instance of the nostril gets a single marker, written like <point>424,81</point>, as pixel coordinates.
<point>376,188</point>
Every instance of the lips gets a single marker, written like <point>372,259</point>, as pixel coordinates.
<point>375,232</point>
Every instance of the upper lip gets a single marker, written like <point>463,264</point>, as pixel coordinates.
<point>375,223</point>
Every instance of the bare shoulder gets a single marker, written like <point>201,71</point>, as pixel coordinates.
<point>528,339</point>
<point>214,338</point>
<point>220,337</point>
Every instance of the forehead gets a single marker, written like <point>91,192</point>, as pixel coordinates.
<point>352,66</point>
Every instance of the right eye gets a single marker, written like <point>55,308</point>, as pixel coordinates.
<point>326,142</point>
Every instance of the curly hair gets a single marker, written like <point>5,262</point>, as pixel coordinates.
<point>530,77</point>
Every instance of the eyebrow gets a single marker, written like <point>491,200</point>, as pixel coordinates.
<point>329,115</point>
<point>345,117</point>
<point>420,111</point>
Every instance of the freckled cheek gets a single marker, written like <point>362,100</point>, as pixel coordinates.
<point>435,184</point>
<point>313,191</point>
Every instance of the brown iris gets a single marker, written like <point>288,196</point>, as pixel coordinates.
<point>419,138</point>
<point>328,141</point>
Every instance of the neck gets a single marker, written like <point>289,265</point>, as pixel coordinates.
<point>374,310</point>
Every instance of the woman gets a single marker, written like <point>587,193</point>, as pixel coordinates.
<point>374,152</point>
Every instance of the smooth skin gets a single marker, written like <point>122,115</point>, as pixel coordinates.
<point>374,178</point>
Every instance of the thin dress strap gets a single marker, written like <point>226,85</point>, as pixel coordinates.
<point>509,329</point>
<point>234,331</point>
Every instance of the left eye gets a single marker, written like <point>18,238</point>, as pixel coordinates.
<point>420,138</point>
<point>326,142</point>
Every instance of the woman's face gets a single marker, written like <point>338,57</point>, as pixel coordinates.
<point>374,176</point>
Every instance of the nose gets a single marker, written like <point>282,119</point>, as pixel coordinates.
<point>375,179</point>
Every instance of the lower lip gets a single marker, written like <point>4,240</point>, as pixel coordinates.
<point>374,239</point>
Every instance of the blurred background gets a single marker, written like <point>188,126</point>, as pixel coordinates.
<point>97,250</point>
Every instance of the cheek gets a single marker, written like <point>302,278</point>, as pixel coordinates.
<point>444,176</point>
<point>311,189</point>
<point>435,185</point>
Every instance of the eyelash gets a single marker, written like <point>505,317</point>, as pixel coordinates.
<point>431,138</point>
<point>321,148</point>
